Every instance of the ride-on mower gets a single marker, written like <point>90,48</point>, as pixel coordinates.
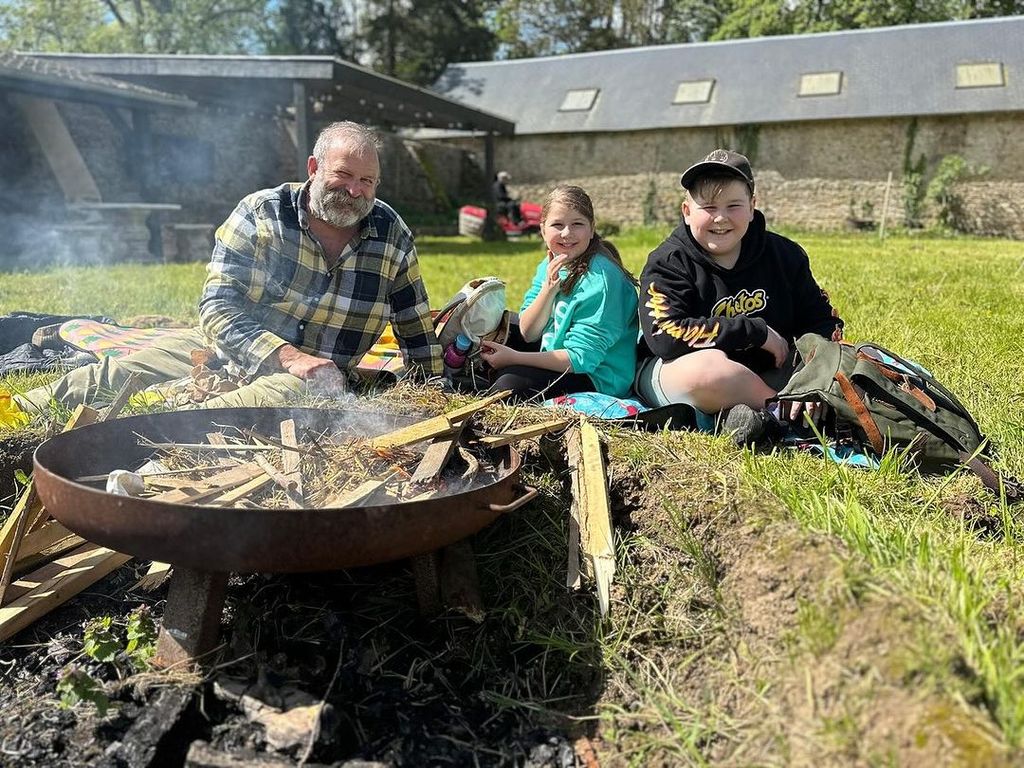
<point>471,221</point>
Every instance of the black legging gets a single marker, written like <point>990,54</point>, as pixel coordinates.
<point>526,381</point>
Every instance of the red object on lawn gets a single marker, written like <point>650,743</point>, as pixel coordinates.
<point>471,221</point>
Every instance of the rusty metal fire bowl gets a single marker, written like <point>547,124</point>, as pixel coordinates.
<point>251,540</point>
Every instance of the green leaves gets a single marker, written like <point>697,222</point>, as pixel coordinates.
<point>77,685</point>
<point>127,645</point>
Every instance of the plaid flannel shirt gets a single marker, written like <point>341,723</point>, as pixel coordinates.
<point>268,285</point>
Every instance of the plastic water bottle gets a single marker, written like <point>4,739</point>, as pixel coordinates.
<point>456,352</point>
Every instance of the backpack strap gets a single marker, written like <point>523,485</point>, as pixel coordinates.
<point>993,480</point>
<point>853,397</point>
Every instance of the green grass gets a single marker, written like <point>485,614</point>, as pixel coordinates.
<point>941,549</point>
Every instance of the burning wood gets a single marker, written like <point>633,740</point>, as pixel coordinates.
<point>327,470</point>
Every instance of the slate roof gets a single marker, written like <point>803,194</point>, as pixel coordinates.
<point>51,79</point>
<point>886,72</point>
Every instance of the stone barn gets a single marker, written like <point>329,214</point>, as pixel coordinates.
<point>142,156</point>
<point>844,129</point>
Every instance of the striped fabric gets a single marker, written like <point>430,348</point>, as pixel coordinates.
<point>268,285</point>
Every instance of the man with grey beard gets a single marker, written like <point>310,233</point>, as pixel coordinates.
<point>303,280</point>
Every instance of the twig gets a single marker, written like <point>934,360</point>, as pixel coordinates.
<point>315,733</point>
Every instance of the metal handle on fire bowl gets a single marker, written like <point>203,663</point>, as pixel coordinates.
<point>530,493</point>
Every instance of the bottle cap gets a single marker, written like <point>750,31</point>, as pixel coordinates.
<point>463,342</point>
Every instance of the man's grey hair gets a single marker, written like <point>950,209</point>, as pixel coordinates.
<point>346,132</point>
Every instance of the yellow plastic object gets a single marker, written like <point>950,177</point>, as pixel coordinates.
<point>11,415</point>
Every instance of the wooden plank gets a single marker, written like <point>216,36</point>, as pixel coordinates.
<point>156,575</point>
<point>285,483</point>
<point>574,452</point>
<point>48,542</point>
<point>43,590</point>
<point>232,497</point>
<point>438,426</point>
<point>211,486</point>
<point>477,405</point>
<point>13,533</point>
<point>29,514</point>
<point>129,388</point>
<point>523,433</point>
<point>436,457</point>
<point>428,429</point>
<point>595,522</point>
<point>292,463</point>
<point>355,495</point>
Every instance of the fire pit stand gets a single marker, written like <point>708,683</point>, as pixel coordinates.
<point>195,598</point>
<point>191,623</point>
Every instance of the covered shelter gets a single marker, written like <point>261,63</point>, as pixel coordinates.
<point>313,89</point>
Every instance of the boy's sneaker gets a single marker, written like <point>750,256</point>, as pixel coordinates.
<point>750,427</point>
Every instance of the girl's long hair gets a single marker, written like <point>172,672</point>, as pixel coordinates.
<point>578,200</point>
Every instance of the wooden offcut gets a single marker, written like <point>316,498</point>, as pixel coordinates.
<point>156,574</point>
<point>591,510</point>
<point>436,457</point>
<point>28,514</point>
<point>438,426</point>
<point>37,593</point>
<point>523,433</point>
<point>352,497</point>
<point>132,385</point>
<point>292,463</point>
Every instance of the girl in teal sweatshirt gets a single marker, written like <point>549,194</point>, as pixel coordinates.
<point>578,323</point>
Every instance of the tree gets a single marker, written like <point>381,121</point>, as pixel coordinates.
<point>416,39</point>
<point>759,18</point>
<point>139,26</point>
<point>312,27</point>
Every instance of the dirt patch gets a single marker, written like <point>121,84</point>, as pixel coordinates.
<point>16,448</point>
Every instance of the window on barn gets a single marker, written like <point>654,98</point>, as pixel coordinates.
<point>980,75</point>
<point>821,84</point>
<point>579,100</point>
<point>694,92</point>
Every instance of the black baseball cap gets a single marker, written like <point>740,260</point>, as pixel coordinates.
<point>720,162</point>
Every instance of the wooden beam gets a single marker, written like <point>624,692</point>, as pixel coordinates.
<point>58,147</point>
<point>214,485</point>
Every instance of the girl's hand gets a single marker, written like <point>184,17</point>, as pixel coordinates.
<point>498,355</point>
<point>815,412</point>
<point>555,263</point>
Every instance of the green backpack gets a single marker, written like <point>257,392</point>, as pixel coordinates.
<point>888,402</point>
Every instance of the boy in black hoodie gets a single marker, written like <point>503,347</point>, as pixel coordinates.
<point>721,302</point>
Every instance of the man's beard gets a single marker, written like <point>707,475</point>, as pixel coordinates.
<point>336,206</point>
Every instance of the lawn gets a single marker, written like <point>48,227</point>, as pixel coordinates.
<point>768,609</point>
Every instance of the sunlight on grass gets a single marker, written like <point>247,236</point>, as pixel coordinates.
<point>942,547</point>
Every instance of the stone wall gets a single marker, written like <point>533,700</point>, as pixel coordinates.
<point>823,175</point>
<point>204,160</point>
